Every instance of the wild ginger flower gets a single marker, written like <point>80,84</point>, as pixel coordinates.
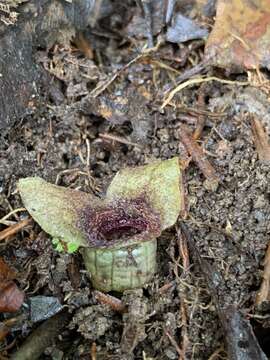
<point>117,235</point>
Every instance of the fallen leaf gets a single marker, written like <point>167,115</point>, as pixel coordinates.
<point>11,298</point>
<point>241,35</point>
<point>184,29</point>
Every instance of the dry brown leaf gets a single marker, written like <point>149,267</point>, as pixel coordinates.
<point>241,35</point>
<point>11,298</point>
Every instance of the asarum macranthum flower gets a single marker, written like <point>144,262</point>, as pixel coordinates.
<point>117,235</point>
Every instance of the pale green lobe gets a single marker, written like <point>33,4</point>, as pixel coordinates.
<point>159,183</point>
<point>56,209</point>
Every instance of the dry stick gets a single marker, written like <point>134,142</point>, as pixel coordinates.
<point>107,136</point>
<point>13,212</point>
<point>198,156</point>
<point>261,140</point>
<point>83,45</point>
<point>184,197</point>
<point>201,118</point>
<point>181,352</point>
<point>103,85</point>
<point>264,292</point>
<point>195,81</point>
<point>199,68</point>
<point>183,250</point>
<point>41,338</point>
<point>164,288</point>
<point>148,22</point>
<point>13,229</point>
<point>169,11</point>
<point>94,351</point>
<point>175,345</point>
<point>114,303</point>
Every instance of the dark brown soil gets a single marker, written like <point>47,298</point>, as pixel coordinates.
<point>64,141</point>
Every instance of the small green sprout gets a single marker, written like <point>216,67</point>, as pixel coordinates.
<point>116,235</point>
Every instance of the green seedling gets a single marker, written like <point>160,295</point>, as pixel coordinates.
<point>116,235</point>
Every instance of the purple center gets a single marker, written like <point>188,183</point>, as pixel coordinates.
<point>120,226</point>
<point>119,223</point>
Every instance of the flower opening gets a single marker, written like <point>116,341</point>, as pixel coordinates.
<point>118,223</point>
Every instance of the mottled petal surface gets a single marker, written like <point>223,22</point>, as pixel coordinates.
<point>159,183</point>
<point>56,208</point>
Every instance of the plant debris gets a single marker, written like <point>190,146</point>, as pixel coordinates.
<point>198,156</point>
<point>43,307</point>
<point>240,37</point>
<point>183,29</point>
<point>11,297</point>
<point>41,338</point>
<point>261,140</point>
<point>263,296</point>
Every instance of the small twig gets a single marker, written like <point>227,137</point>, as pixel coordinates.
<point>195,112</point>
<point>146,5</point>
<point>13,229</point>
<point>184,331</point>
<point>195,70</point>
<point>166,287</point>
<point>216,354</point>
<point>41,338</point>
<point>201,118</point>
<point>199,158</point>
<point>169,10</point>
<point>190,82</point>
<point>83,45</point>
<point>63,172</point>
<point>261,140</point>
<point>114,303</point>
<point>103,85</point>
<point>184,197</point>
<point>162,65</point>
<point>94,351</point>
<point>184,253</point>
<point>183,249</point>
<point>118,139</point>
<point>264,292</point>
<point>175,345</point>
<point>87,163</point>
<point>3,219</point>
